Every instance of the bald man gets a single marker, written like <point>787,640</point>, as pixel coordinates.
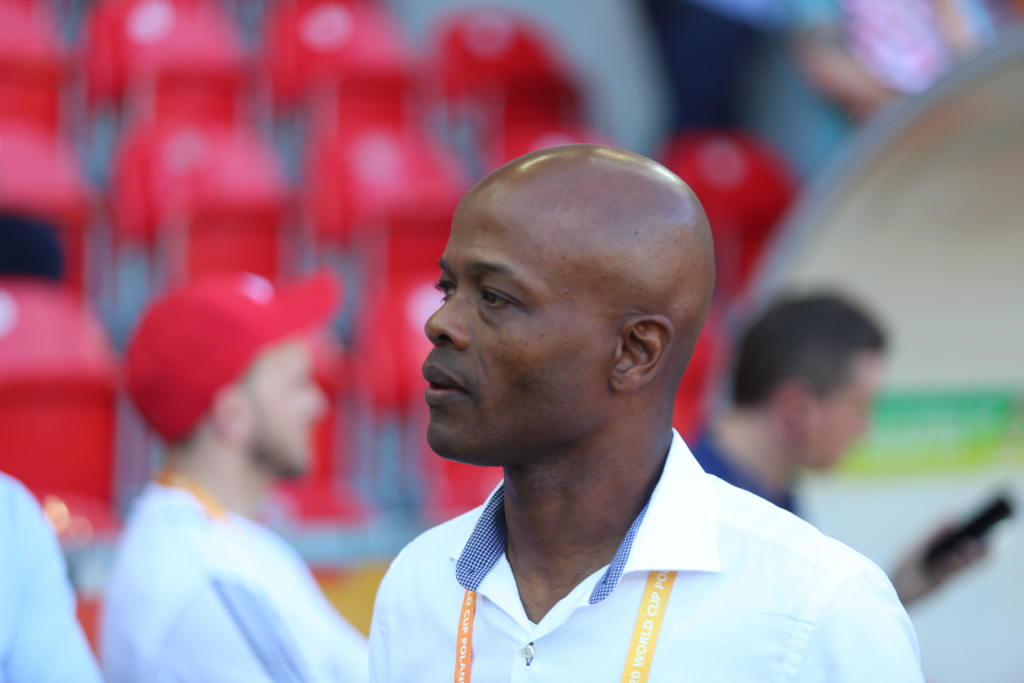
<point>576,281</point>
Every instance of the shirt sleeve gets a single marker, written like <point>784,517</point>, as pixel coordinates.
<point>48,645</point>
<point>229,634</point>
<point>863,634</point>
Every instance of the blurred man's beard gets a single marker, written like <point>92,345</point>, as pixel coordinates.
<point>273,461</point>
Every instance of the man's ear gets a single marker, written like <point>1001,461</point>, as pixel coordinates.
<point>792,403</point>
<point>231,415</point>
<point>643,348</point>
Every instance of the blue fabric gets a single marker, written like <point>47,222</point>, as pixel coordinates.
<point>486,545</point>
<point>712,462</point>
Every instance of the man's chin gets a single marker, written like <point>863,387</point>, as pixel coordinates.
<point>457,448</point>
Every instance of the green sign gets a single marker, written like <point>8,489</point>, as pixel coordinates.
<point>917,432</point>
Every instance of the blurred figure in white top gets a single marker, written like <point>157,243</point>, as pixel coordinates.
<point>222,371</point>
<point>40,640</point>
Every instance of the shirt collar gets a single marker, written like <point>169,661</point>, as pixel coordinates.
<point>209,504</point>
<point>676,530</point>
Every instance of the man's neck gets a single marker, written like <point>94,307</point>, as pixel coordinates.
<point>749,440</point>
<point>568,513</point>
<point>233,481</point>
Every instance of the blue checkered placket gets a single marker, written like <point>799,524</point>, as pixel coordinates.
<point>486,545</point>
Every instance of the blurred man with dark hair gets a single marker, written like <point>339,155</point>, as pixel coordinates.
<point>223,372</point>
<point>29,248</point>
<point>806,376</point>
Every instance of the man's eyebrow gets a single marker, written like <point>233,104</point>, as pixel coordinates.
<point>480,267</point>
<point>487,267</point>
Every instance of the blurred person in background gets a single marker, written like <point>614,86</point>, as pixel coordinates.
<point>222,371</point>
<point>861,54</point>
<point>704,45</point>
<point>806,376</point>
<point>41,641</point>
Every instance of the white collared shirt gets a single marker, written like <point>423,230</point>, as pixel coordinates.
<point>760,596</point>
<point>194,597</point>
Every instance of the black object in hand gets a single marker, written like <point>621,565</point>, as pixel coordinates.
<point>974,529</point>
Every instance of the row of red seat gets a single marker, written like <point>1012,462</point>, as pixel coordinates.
<point>56,367</point>
<point>199,189</point>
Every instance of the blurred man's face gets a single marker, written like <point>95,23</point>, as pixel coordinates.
<point>286,404</point>
<point>835,421</point>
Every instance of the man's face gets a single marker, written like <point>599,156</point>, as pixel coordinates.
<point>521,352</point>
<point>836,420</point>
<point>286,404</point>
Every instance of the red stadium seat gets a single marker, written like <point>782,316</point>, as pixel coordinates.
<point>360,179</point>
<point>483,51</point>
<point>32,66</point>
<point>40,177</point>
<point>210,198</point>
<point>57,393</point>
<point>185,54</point>
<point>745,188</point>
<point>350,47</point>
<point>500,73</point>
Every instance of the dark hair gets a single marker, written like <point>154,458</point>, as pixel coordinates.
<point>814,338</point>
<point>29,247</point>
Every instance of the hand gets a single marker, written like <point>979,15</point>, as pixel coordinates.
<point>913,580</point>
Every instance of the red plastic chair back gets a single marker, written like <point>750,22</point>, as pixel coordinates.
<point>57,391</point>
<point>745,188</point>
<point>317,44</point>
<point>234,239</point>
<point>220,184</point>
<point>486,49</point>
<point>40,177</point>
<point>179,52</point>
<point>496,62</point>
<point>32,68</point>
<point>359,181</point>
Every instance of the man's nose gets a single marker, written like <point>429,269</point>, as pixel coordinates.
<point>448,326</point>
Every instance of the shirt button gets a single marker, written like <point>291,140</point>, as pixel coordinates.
<point>527,653</point>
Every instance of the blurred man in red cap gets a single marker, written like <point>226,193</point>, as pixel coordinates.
<point>223,372</point>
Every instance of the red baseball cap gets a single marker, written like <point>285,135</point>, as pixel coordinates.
<point>205,336</point>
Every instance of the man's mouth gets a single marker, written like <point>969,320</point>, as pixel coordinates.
<point>443,388</point>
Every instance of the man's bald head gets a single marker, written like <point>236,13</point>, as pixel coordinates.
<point>624,227</point>
<point>575,276</point>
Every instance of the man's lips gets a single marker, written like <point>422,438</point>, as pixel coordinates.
<point>443,388</point>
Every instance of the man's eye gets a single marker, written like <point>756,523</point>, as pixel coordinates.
<point>445,288</point>
<point>492,298</point>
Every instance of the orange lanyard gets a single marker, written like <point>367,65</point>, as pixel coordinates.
<point>641,649</point>
<point>213,509</point>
